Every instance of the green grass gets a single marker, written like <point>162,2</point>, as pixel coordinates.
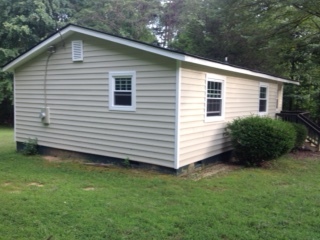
<point>281,202</point>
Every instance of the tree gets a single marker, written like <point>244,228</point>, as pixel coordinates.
<point>170,18</point>
<point>277,37</point>
<point>23,24</point>
<point>127,18</point>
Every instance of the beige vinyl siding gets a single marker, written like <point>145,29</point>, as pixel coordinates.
<point>280,97</point>
<point>199,139</point>
<point>77,94</point>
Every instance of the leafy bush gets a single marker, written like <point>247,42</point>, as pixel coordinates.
<point>126,162</point>
<point>256,139</point>
<point>30,147</point>
<point>301,132</point>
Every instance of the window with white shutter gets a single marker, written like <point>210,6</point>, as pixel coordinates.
<point>77,50</point>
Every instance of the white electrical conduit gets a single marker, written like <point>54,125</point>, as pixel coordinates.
<point>45,79</point>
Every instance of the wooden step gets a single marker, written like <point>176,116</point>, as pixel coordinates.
<point>312,147</point>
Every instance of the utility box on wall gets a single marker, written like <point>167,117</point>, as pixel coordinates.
<point>45,115</point>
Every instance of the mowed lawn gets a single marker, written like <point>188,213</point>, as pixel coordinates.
<point>40,199</point>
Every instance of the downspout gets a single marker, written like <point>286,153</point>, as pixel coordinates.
<point>177,116</point>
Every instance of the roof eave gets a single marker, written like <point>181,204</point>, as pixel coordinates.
<point>129,43</point>
<point>70,29</point>
<point>229,68</point>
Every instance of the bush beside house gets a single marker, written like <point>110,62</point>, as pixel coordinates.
<point>301,134</point>
<point>256,139</point>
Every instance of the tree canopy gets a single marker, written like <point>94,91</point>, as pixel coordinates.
<point>277,37</point>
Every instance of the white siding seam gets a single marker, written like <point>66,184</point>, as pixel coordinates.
<point>177,116</point>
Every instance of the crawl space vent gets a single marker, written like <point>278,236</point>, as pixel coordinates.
<point>77,51</point>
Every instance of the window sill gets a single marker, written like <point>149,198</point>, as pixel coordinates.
<point>124,109</point>
<point>214,119</point>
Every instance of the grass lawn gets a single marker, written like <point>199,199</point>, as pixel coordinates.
<point>66,200</point>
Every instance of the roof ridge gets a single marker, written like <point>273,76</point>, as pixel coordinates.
<point>149,45</point>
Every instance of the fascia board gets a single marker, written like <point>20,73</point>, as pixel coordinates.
<point>235,69</point>
<point>173,55</point>
<point>129,43</point>
<point>74,29</point>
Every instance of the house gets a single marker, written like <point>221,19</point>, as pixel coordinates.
<point>87,92</point>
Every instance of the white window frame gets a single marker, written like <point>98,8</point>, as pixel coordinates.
<point>112,77</point>
<point>264,85</point>
<point>220,79</point>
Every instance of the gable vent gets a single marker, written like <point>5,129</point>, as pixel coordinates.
<point>77,51</point>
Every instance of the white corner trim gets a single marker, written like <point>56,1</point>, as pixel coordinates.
<point>279,97</point>
<point>14,109</point>
<point>177,116</point>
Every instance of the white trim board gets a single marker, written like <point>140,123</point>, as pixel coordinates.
<point>177,116</point>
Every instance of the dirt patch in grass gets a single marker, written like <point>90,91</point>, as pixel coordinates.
<point>105,165</point>
<point>213,170</point>
<point>15,192</point>
<point>89,188</point>
<point>35,184</point>
<point>303,154</point>
<point>6,184</point>
<point>52,159</point>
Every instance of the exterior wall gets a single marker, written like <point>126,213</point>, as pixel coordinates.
<point>77,94</point>
<point>280,97</point>
<point>199,139</point>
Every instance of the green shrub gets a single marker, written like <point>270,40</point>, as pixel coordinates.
<point>126,162</point>
<point>30,147</point>
<point>256,139</point>
<point>301,132</point>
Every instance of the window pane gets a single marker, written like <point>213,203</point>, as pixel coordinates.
<point>214,89</point>
<point>122,98</point>
<point>122,83</point>
<point>214,107</point>
<point>262,105</point>
<point>214,98</point>
<point>263,92</point>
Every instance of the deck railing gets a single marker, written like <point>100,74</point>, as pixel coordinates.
<point>303,118</point>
